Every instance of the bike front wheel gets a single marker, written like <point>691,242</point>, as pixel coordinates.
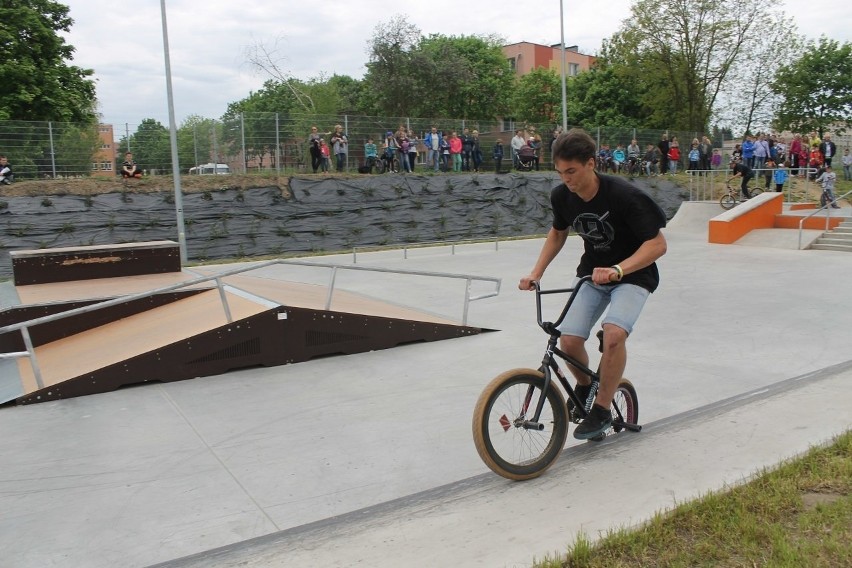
<point>627,402</point>
<point>504,439</point>
<point>727,201</point>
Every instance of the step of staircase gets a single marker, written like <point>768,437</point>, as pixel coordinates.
<point>826,246</point>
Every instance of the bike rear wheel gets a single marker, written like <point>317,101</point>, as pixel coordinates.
<point>754,191</point>
<point>507,447</point>
<point>380,166</point>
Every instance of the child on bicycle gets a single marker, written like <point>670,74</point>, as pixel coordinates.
<point>827,178</point>
<point>621,230</point>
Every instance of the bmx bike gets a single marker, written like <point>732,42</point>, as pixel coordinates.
<point>732,195</point>
<point>521,419</point>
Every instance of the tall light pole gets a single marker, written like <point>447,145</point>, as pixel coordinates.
<point>564,95</point>
<point>173,139</point>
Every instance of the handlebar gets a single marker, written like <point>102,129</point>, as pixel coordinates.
<point>548,327</point>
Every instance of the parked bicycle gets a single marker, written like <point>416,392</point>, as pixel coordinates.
<point>521,419</point>
<point>733,195</point>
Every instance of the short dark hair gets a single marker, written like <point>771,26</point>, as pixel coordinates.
<point>576,144</point>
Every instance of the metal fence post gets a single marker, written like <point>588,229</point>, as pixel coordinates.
<point>52,149</point>
<point>243,140</point>
<point>346,131</point>
<point>277,145</point>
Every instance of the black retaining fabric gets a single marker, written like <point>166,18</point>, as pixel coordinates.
<point>317,214</point>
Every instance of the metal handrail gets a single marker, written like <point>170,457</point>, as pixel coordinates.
<point>827,208</point>
<point>30,350</point>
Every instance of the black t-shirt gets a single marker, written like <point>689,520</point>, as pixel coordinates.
<point>613,225</point>
<point>742,169</point>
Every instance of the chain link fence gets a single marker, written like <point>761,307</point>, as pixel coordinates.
<point>255,142</point>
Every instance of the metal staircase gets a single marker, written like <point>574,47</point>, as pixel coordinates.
<point>839,238</point>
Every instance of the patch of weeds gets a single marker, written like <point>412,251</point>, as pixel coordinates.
<point>241,253</point>
<point>450,187</point>
<point>442,221</point>
<point>88,201</point>
<point>217,232</point>
<point>321,232</point>
<point>417,204</point>
<point>110,224</point>
<point>387,207</point>
<point>474,180</point>
<point>46,202</point>
<point>341,192</point>
<point>282,232</point>
<point>67,228</point>
<point>329,213</point>
<point>412,223</point>
<point>169,199</point>
<point>240,196</point>
<point>466,200</point>
<point>442,202</point>
<point>399,190</point>
<point>188,222</point>
<point>19,231</point>
<point>522,199</point>
<point>125,198</point>
<point>386,227</point>
<point>368,191</point>
<point>356,230</point>
<point>206,195</point>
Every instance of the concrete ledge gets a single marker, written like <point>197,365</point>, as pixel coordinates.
<point>757,213</point>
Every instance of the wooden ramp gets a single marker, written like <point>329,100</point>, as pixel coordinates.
<point>187,334</point>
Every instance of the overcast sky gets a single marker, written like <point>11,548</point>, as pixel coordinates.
<point>123,41</point>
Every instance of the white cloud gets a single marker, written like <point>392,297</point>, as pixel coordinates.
<point>208,41</point>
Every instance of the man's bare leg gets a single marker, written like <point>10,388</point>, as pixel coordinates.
<point>613,362</point>
<point>576,348</point>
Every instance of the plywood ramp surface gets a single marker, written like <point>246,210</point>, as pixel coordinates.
<point>131,336</point>
<point>313,296</point>
<point>99,287</point>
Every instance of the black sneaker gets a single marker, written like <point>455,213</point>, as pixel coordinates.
<point>582,392</point>
<point>596,423</point>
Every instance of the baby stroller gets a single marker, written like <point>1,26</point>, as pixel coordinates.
<point>526,158</point>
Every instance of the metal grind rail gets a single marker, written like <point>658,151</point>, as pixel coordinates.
<point>827,208</point>
<point>24,326</point>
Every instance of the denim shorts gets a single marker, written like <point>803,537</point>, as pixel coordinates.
<point>625,303</point>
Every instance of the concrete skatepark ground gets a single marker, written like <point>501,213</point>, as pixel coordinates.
<point>740,360</point>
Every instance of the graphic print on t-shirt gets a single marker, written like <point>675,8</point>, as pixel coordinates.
<point>595,229</point>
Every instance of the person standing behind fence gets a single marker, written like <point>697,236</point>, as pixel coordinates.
<point>456,151</point>
<point>433,147</point>
<point>6,174</point>
<point>748,151</point>
<point>705,150</point>
<point>340,145</point>
<point>325,155</point>
<point>663,146</point>
<point>314,148</point>
<point>476,151</point>
<point>761,151</point>
<point>497,154</point>
<point>517,143</point>
<point>674,155</point>
<point>780,176</point>
<point>828,149</point>
<point>467,149</point>
<point>847,165</point>
<point>412,149</point>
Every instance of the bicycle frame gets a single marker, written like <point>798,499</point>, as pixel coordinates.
<point>549,366</point>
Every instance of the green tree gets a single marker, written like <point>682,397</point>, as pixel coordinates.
<point>816,89</point>
<point>537,97</point>
<point>38,82</point>
<point>682,52</point>
<point>391,81</point>
<point>75,149</point>
<point>606,96</point>
<point>748,103</point>
<point>466,77</point>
